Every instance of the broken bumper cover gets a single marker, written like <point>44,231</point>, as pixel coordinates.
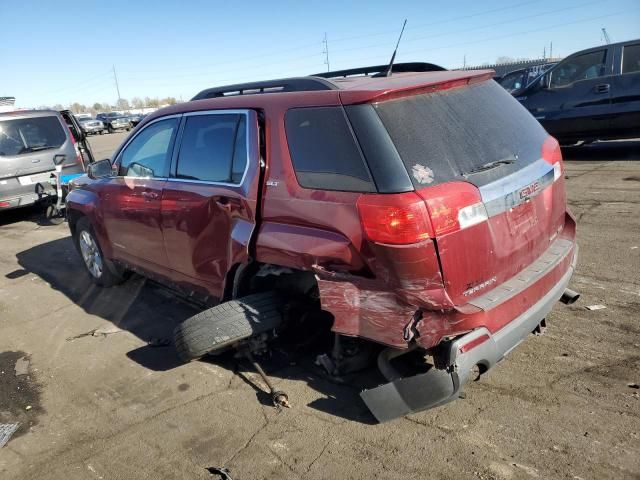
<point>479,347</point>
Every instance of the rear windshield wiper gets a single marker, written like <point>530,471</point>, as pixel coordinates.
<point>492,165</point>
<point>35,149</point>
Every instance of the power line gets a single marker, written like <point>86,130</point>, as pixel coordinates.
<point>482,27</point>
<point>499,37</point>
<point>438,22</point>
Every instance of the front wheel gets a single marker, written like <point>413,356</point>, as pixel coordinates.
<point>110,129</point>
<point>101,271</point>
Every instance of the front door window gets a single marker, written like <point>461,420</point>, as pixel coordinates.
<point>582,67</point>
<point>148,153</point>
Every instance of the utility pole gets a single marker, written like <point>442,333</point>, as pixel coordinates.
<point>544,53</point>
<point>115,77</point>
<point>464,61</point>
<point>326,51</point>
<point>551,50</point>
<point>606,36</point>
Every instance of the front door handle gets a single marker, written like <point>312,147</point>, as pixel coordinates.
<point>150,195</point>
<point>602,88</point>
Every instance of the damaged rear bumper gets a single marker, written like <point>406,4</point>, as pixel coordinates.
<point>480,348</point>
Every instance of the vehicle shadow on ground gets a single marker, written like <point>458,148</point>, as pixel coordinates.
<point>32,213</point>
<point>151,312</point>
<point>628,150</point>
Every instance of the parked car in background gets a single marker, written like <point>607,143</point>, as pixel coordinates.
<point>114,121</point>
<point>92,125</point>
<point>522,77</point>
<point>591,95</point>
<point>135,118</point>
<point>422,215</point>
<point>29,142</point>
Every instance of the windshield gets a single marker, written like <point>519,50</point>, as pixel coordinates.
<point>24,135</point>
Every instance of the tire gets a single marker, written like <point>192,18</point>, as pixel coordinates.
<point>53,215</point>
<point>101,271</point>
<point>227,323</point>
<point>110,129</point>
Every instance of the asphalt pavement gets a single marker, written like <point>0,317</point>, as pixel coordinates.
<point>108,400</point>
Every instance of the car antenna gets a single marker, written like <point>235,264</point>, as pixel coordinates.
<point>393,57</point>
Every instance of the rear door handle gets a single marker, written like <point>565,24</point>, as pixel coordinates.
<point>602,88</point>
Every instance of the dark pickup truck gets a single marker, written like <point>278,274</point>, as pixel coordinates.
<point>591,95</point>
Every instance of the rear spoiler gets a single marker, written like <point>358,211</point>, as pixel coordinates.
<point>407,86</point>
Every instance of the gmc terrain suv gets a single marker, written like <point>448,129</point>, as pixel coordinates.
<point>423,213</point>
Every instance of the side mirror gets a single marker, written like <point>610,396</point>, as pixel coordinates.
<point>99,169</point>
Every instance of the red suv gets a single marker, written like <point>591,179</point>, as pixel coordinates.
<point>423,212</point>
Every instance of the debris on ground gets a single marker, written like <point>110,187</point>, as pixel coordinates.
<point>96,332</point>
<point>159,342</point>
<point>22,366</point>
<point>595,307</point>
<point>223,473</point>
<point>6,430</point>
<point>633,385</point>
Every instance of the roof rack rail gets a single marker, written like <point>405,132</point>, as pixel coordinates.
<point>397,68</point>
<point>296,84</point>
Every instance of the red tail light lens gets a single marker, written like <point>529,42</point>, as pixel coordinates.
<point>552,154</point>
<point>397,219</point>
<point>453,206</point>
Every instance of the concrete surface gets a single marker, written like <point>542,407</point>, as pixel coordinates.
<point>111,405</point>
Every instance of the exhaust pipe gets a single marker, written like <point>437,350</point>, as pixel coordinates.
<point>569,297</point>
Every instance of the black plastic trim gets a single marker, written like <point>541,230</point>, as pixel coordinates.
<point>389,172</point>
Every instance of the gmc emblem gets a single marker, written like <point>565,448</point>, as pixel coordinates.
<point>529,190</point>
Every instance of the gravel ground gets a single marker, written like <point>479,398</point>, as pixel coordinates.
<point>113,404</point>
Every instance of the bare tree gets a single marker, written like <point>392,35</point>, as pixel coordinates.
<point>136,102</point>
<point>122,104</point>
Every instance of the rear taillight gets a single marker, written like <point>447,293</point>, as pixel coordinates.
<point>405,218</point>
<point>552,154</point>
<point>453,206</point>
<point>397,219</point>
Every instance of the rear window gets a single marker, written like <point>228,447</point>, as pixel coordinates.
<point>631,58</point>
<point>20,136</point>
<point>444,136</point>
<point>324,152</point>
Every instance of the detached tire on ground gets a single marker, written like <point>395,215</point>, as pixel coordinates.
<point>227,323</point>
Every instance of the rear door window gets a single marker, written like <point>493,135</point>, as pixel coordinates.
<point>631,59</point>
<point>324,152</point>
<point>213,148</point>
<point>452,134</point>
<point>20,136</point>
<point>147,155</point>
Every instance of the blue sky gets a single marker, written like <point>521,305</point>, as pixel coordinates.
<point>63,51</point>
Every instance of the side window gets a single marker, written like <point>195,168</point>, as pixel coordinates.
<point>324,152</point>
<point>631,58</point>
<point>582,67</point>
<point>213,148</point>
<point>149,152</point>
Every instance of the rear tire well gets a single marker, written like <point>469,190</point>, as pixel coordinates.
<point>254,277</point>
